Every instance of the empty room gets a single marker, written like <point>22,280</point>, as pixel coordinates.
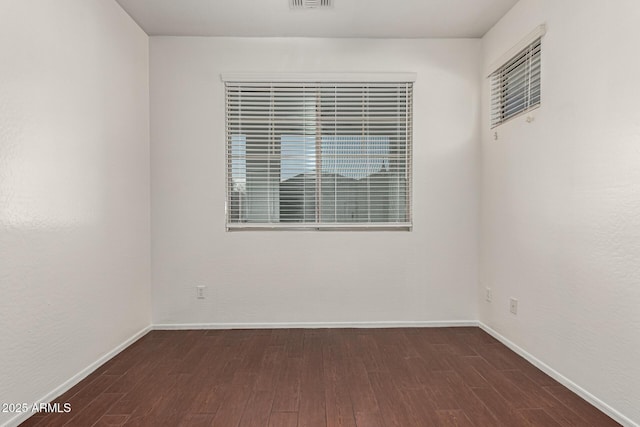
<point>356,213</point>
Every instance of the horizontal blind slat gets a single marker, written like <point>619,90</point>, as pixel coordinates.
<point>314,154</point>
<point>515,87</point>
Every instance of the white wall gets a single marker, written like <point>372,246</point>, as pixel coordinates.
<point>560,210</point>
<point>266,277</point>
<point>74,190</point>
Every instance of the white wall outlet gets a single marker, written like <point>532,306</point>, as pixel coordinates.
<point>488,295</point>
<point>513,305</point>
<point>200,292</point>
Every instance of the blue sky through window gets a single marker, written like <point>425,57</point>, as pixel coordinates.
<point>355,157</point>
<point>297,155</point>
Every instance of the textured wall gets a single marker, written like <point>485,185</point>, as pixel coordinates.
<point>74,189</point>
<point>561,199</point>
<point>427,274</point>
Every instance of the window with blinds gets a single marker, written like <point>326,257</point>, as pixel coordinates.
<point>324,155</point>
<point>515,86</point>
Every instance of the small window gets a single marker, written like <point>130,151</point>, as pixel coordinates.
<point>515,86</point>
<point>328,155</point>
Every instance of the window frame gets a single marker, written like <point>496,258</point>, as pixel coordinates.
<point>318,79</point>
<point>529,51</point>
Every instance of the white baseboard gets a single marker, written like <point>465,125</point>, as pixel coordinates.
<point>21,417</point>
<point>317,325</point>
<point>616,415</point>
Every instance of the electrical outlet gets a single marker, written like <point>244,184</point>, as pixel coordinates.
<point>200,292</point>
<point>513,305</point>
<point>488,295</point>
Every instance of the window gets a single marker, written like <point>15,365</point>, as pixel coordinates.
<point>515,86</point>
<point>318,155</point>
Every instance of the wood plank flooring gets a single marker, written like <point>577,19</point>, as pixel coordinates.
<point>321,377</point>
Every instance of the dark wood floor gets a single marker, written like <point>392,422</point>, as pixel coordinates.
<point>332,377</point>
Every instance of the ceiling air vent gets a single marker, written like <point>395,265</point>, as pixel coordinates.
<point>310,4</point>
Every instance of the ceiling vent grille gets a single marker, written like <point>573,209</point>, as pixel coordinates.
<point>310,4</point>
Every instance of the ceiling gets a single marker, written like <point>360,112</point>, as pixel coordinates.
<point>347,18</point>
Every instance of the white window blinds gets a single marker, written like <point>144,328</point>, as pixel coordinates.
<point>515,86</point>
<point>318,155</point>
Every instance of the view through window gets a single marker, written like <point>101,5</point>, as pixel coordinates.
<point>318,155</point>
